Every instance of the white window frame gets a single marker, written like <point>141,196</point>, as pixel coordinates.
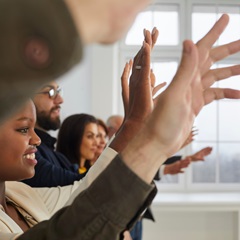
<point>174,52</point>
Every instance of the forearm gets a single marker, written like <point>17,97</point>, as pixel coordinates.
<point>94,215</point>
<point>143,155</point>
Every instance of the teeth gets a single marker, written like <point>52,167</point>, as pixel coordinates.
<point>30,156</point>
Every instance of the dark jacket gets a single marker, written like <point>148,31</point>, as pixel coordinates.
<point>53,168</point>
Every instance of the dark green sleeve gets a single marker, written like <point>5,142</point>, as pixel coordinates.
<point>38,43</point>
<point>111,204</point>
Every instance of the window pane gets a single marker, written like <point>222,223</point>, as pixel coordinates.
<point>204,171</point>
<point>229,155</point>
<point>201,24</point>
<point>232,82</point>
<point>229,121</point>
<point>232,32</point>
<point>168,179</point>
<point>168,32</point>
<point>135,34</point>
<point>206,123</point>
<point>218,123</point>
<point>164,72</point>
<point>204,17</point>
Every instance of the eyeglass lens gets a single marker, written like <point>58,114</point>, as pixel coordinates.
<point>54,92</point>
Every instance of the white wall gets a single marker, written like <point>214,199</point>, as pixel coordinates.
<point>92,86</point>
<point>76,86</point>
<point>198,216</point>
<point>195,225</point>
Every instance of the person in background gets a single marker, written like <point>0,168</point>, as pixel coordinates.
<point>102,139</point>
<point>78,140</point>
<point>82,138</point>
<point>53,168</point>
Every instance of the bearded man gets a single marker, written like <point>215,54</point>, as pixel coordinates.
<point>53,168</point>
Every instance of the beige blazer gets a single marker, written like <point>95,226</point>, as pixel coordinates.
<point>42,203</point>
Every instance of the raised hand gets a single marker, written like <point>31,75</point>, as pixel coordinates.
<point>177,167</point>
<point>199,156</point>
<point>208,56</point>
<point>104,21</point>
<point>190,89</point>
<point>173,116</point>
<point>138,94</point>
<point>142,83</point>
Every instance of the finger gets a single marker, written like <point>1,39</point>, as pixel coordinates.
<point>194,132</point>
<point>194,129</point>
<point>152,78</point>
<point>187,68</point>
<point>210,149</point>
<point>211,37</point>
<point>148,40</point>
<point>224,51</point>
<point>212,94</point>
<point>185,165</point>
<point>154,34</point>
<point>143,61</point>
<point>140,76</point>
<point>198,160</point>
<point>147,37</point>
<point>185,162</point>
<point>158,87</point>
<point>125,87</point>
<point>138,56</point>
<point>219,74</point>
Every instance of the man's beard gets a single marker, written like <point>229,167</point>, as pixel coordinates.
<point>44,121</point>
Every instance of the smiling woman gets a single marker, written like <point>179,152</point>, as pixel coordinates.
<point>19,132</point>
<point>22,208</point>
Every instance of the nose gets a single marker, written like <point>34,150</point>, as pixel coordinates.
<point>96,141</point>
<point>58,99</point>
<point>35,139</point>
<point>102,140</point>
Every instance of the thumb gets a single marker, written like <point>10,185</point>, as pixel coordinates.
<point>188,66</point>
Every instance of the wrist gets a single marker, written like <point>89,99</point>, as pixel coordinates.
<point>143,156</point>
<point>126,133</point>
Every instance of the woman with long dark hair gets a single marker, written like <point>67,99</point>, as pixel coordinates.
<point>77,140</point>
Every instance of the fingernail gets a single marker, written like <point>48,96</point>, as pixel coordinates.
<point>154,30</point>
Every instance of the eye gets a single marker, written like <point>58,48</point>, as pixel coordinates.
<point>23,130</point>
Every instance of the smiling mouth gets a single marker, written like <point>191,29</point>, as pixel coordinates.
<point>29,156</point>
<point>56,109</point>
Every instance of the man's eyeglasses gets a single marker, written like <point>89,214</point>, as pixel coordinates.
<point>52,92</point>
